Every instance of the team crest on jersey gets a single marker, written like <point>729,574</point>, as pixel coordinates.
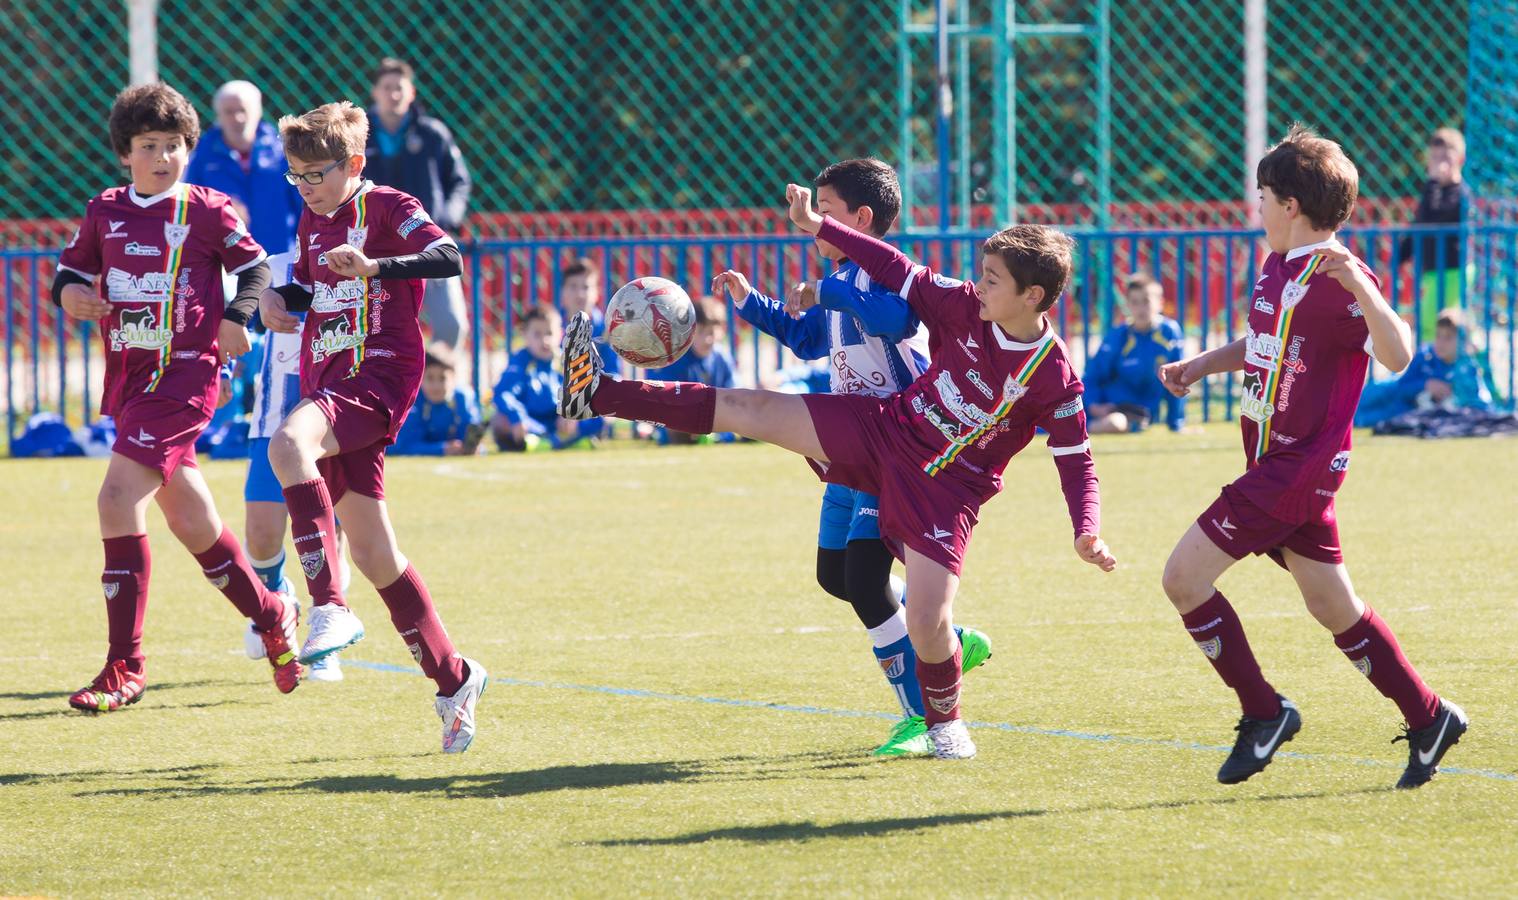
<point>175,234</point>
<point>333,336</point>
<point>312,563</point>
<point>1012,390</point>
<point>140,329</point>
<point>112,588</point>
<point>1213,647</point>
<point>357,236</point>
<point>893,666</point>
<point>1363,664</point>
<point>1292,294</point>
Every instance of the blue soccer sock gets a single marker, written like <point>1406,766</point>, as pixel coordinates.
<point>897,659</point>
<point>270,571</point>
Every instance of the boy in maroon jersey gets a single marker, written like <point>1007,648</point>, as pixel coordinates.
<point>147,262</point>
<point>1316,317</point>
<point>932,453</point>
<point>363,254</point>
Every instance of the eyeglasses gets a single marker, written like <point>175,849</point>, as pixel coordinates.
<point>312,177</point>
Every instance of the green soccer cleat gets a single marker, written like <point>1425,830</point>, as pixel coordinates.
<point>975,648</point>
<point>909,737</point>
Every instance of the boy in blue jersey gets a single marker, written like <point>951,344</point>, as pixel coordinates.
<point>875,347</point>
<point>445,420</point>
<point>1446,373</point>
<point>1123,389</point>
<point>526,405</point>
<point>706,362</point>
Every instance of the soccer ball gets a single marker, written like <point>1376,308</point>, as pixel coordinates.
<point>650,322</point>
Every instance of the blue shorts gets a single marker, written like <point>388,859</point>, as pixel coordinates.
<point>261,486</point>
<point>847,515</point>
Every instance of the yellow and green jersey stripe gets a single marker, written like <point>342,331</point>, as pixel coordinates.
<point>1024,375</point>
<point>179,215</point>
<point>1283,330</point>
<point>361,315</point>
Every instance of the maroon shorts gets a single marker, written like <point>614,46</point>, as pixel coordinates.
<point>863,445</point>
<point>1240,528</point>
<point>362,423</point>
<point>159,432</point>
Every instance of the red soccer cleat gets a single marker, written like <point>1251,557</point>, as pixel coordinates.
<point>278,647</point>
<point>116,686</point>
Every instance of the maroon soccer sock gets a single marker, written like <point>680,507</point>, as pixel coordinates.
<point>315,530</point>
<point>1217,631</point>
<point>415,618</point>
<point>125,582</point>
<point>1373,649</point>
<point>229,571</point>
<point>940,688</point>
<point>681,405</point>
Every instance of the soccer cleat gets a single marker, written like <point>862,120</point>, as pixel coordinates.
<point>1426,746</point>
<point>116,686</point>
<point>974,648</point>
<point>333,627</point>
<point>1258,741</point>
<point>457,712</point>
<point>909,737</point>
<point>582,369</point>
<point>279,647</point>
<point>951,740</point>
<point>328,668</point>
<point>252,644</point>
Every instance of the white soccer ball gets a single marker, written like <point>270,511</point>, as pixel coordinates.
<point>650,322</point>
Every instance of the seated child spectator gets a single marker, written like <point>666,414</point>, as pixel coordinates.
<point>706,362</point>
<point>1446,373</point>
<point>526,396</point>
<point>446,420</point>
<point>580,291</point>
<point>1123,389</point>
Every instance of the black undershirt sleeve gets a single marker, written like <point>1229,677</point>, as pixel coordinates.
<point>297,298</point>
<point>251,283</point>
<point>63,279</point>
<point>442,261</point>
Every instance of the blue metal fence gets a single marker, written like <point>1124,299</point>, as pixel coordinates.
<point>53,364</point>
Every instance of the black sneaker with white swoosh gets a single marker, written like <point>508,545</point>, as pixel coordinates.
<point>1258,741</point>
<point>1426,746</point>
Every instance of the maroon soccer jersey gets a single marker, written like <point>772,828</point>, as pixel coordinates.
<point>984,393</point>
<point>159,261</point>
<point>364,326</point>
<point>1305,361</point>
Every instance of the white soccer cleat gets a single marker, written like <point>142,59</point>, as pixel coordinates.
<point>333,627</point>
<point>253,645</point>
<point>457,712</point>
<point>951,740</point>
<point>327,668</point>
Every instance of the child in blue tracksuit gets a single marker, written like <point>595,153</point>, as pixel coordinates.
<point>1123,389</point>
<point>526,395</point>
<point>445,420</point>
<point>875,346</point>
<point>706,362</point>
<point>1444,373</point>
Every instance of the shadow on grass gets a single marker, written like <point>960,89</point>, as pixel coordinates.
<point>595,776</point>
<point>153,686</point>
<point>811,831</point>
<point>138,709</point>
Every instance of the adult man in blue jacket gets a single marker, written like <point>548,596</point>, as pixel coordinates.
<point>243,158</point>
<point>415,153</point>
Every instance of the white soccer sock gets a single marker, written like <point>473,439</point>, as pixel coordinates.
<point>891,630</point>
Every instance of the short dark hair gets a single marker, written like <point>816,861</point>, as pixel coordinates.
<point>1035,254</point>
<point>544,314</point>
<point>1452,317</point>
<point>582,265</point>
<point>865,182</point>
<point>151,107</point>
<point>440,356</point>
<point>1450,138</point>
<point>711,311</point>
<point>1137,280</point>
<point>1314,171</point>
<point>392,65</point>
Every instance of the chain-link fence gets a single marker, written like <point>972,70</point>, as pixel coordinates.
<point>675,117</point>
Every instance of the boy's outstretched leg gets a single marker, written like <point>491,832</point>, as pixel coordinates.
<point>1433,724</point>
<point>1269,720</point>
<point>460,681</point>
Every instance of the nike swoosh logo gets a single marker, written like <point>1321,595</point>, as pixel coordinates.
<point>1427,759</point>
<point>1263,750</point>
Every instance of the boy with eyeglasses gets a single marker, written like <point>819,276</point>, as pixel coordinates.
<point>364,252</point>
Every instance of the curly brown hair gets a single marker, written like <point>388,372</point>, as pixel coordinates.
<point>151,107</point>
<point>1035,254</point>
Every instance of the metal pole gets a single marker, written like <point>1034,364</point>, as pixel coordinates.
<point>1001,83</point>
<point>945,113</point>
<point>142,32</point>
<point>904,107</point>
<point>965,197</point>
<point>1104,114</point>
<point>1254,101</point>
